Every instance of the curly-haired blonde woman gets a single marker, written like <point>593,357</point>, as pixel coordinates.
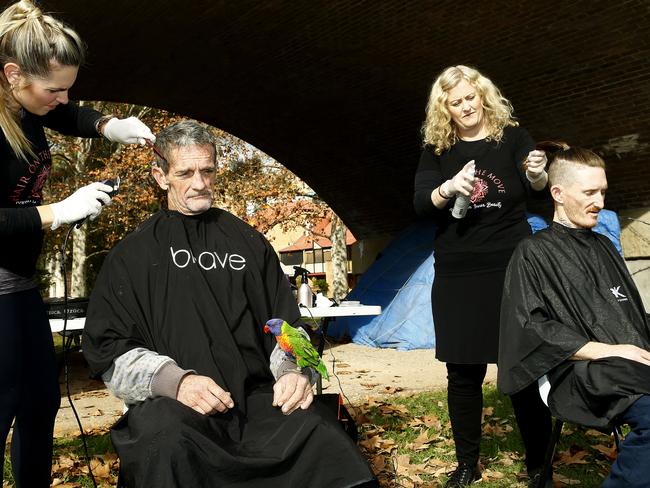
<point>474,147</point>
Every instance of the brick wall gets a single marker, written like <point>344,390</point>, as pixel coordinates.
<point>336,90</point>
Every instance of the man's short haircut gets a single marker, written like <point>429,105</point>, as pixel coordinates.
<point>559,172</point>
<point>182,134</point>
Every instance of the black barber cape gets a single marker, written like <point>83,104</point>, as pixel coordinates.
<point>563,288</point>
<point>199,290</point>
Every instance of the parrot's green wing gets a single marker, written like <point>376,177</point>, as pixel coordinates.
<point>304,351</point>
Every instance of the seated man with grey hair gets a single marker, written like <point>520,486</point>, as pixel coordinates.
<point>175,328</point>
<point>571,311</point>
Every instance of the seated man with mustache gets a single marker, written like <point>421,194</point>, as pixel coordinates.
<point>174,328</point>
<point>570,310</point>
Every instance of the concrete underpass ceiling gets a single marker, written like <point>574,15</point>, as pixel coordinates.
<point>335,90</point>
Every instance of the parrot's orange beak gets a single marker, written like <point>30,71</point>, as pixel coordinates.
<point>267,329</point>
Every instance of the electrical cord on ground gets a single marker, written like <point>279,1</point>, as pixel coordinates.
<point>324,339</point>
<point>396,482</point>
<point>393,458</point>
<point>394,462</point>
<point>66,345</point>
<point>338,379</point>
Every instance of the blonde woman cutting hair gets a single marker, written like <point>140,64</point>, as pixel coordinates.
<point>40,57</point>
<point>474,149</point>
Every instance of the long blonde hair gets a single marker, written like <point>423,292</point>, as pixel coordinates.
<point>33,41</point>
<point>438,128</point>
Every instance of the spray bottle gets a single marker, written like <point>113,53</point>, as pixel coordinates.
<point>305,295</point>
<point>462,201</point>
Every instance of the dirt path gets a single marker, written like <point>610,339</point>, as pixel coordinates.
<point>96,407</point>
<point>363,371</point>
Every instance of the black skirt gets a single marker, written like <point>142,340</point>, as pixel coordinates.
<point>466,307</point>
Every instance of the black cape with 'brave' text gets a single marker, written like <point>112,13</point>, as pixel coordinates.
<point>199,290</point>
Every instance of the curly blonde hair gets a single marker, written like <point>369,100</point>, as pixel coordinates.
<point>438,129</point>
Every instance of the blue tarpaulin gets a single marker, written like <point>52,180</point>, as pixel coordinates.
<point>608,225</point>
<point>400,281</point>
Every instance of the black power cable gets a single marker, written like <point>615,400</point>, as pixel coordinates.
<point>115,186</point>
<point>66,346</point>
<point>321,347</point>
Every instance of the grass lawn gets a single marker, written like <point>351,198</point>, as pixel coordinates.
<point>407,440</point>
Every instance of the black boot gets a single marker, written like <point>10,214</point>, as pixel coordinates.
<point>535,481</point>
<point>465,475</point>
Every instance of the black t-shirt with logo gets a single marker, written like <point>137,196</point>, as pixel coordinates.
<point>495,220</point>
<point>21,183</point>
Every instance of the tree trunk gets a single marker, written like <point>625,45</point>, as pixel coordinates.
<point>78,274</point>
<point>54,271</point>
<point>79,235</point>
<point>339,258</point>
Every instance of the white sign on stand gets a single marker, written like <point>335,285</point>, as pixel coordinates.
<point>73,324</point>
<point>341,311</point>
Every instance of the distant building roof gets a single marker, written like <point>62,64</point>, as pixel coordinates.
<point>317,239</point>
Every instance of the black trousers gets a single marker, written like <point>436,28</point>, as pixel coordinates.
<point>465,401</point>
<point>29,388</point>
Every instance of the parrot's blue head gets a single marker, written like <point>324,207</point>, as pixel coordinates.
<point>274,326</point>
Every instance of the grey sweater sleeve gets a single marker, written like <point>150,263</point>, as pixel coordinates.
<point>281,364</point>
<point>140,374</point>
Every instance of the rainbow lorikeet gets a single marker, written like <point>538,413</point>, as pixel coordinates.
<point>296,346</point>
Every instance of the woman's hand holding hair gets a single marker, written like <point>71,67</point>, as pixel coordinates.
<point>127,131</point>
<point>535,165</point>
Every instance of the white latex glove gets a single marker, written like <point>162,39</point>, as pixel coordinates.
<point>462,182</point>
<point>87,201</point>
<point>128,131</point>
<point>535,165</point>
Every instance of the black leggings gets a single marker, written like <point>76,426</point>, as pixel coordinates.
<point>29,388</point>
<point>465,400</point>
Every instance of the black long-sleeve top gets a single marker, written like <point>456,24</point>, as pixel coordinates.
<point>496,220</point>
<point>21,183</point>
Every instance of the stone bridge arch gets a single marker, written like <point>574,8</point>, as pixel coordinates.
<point>336,89</point>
